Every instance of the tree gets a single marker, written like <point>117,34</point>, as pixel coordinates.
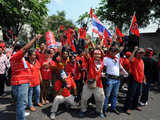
<point>156,11</point>
<point>54,22</point>
<point>15,13</point>
<point>120,12</point>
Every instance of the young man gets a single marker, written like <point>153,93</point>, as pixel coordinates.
<point>21,76</point>
<point>113,67</point>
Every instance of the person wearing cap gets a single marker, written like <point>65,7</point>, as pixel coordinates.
<point>149,73</point>
<point>113,68</point>
<point>136,79</point>
<point>21,76</point>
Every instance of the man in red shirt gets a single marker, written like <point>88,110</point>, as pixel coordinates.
<point>136,79</point>
<point>63,94</point>
<point>93,85</point>
<point>82,36</point>
<point>21,76</point>
<point>41,54</point>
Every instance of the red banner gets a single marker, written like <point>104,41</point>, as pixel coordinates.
<point>50,39</point>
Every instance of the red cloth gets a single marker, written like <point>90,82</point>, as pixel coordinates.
<point>66,91</point>
<point>20,75</point>
<point>125,63</point>
<point>73,68</point>
<point>137,69</point>
<point>36,74</point>
<point>93,73</point>
<point>91,13</point>
<point>70,68</point>
<point>82,33</point>
<point>40,56</point>
<point>46,71</point>
<point>134,27</point>
<point>84,65</point>
<point>3,45</point>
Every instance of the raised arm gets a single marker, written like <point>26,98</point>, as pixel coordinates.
<point>133,53</point>
<point>29,45</point>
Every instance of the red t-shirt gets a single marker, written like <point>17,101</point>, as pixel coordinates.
<point>20,75</point>
<point>125,63</point>
<point>73,69</point>
<point>40,56</point>
<point>66,91</point>
<point>46,71</point>
<point>137,69</point>
<point>84,65</point>
<point>36,74</point>
<point>82,33</point>
<point>93,73</point>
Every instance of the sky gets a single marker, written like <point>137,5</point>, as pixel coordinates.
<point>75,8</point>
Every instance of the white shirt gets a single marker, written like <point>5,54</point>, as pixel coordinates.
<point>3,64</point>
<point>112,66</point>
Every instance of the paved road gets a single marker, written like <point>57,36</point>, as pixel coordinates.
<point>150,112</point>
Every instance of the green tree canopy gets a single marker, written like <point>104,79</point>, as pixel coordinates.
<point>15,13</point>
<point>120,12</point>
<point>54,22</point>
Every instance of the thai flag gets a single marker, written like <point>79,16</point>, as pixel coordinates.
<point>98,27</point>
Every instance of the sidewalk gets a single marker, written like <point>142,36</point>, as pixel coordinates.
<point>150,112</point>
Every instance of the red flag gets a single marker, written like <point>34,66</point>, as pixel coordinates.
<point>134,27</point>
<point>119,34</point>
<point>69,39</point>
<point>61,28</point>
<point>91,13</point>
<point>107,39</point>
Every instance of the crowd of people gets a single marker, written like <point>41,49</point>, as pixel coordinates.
<point>88,71</point>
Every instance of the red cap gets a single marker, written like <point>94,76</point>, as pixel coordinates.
<point>128,54</point>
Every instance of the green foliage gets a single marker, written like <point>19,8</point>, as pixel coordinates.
<point>15,13</point>
<point>120,12</point>
<point>54,22</point>
<point>84,18</point>
<point>156,11</point>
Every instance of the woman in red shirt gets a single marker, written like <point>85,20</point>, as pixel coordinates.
<point>35,82</point>
<point>47,67</point>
